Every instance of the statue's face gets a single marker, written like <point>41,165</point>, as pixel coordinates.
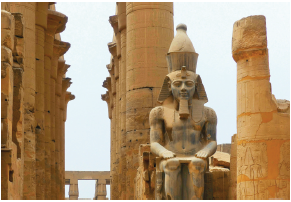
<point>183,89</point>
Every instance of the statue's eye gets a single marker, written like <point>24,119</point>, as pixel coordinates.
<point>189,83</point>
<point>177,83</point>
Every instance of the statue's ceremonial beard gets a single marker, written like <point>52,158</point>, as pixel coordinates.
<point>184,109</point>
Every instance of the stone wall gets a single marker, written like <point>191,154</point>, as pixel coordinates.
<point>33,101</point>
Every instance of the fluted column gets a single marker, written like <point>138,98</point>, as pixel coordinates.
<point>148,41</point>
<point>28,11</point>
<point>40,27</point>
<point>56,24</point>
<point>7,44</point>
<point>263,123</point>
<point>59,49</point>
<point>66,82</point>
<point>114,73</point>
<point>121,8</point>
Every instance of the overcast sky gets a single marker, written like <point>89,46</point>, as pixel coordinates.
<point>210,29</point>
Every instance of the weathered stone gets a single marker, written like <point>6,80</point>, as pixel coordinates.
<point>221,159</point>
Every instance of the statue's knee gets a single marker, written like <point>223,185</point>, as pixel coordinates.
<point>172,164</point>
<point>198,165</point>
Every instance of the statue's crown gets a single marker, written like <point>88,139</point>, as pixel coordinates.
<point>181,51</point>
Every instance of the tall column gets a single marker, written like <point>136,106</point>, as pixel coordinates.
<point>28,11</point>
<point>40,27</point>
<point>56,24</point>
<point>115,80</point>
<point>66,82</point>
<point>7,45</point>
<point>73,190</point>
<point>59,49</point>
<point>263,123</point>
<point>147,44</point>
<point>113,163</point>
<point>121,8</point>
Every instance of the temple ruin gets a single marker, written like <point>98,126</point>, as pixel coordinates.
<point>34,101</point>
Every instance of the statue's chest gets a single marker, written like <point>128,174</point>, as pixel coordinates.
<point>183,133</point>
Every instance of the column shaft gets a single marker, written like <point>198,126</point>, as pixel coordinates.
<point>263,125</point>
<point>147,44</point>
<point>28,11</point>
<point>40,27</point>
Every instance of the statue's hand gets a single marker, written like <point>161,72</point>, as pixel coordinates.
<point>203,154</point>
<point>167,154</point>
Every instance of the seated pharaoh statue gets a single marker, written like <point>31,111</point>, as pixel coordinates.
<point>182,130</point>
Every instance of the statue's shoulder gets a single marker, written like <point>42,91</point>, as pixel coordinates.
<point>210,115</point>
<point>157,113</point>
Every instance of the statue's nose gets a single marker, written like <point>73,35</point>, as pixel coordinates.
<point>183,87</point>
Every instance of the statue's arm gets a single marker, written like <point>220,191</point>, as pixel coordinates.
<point>156,134</point>
<point>210,132</point>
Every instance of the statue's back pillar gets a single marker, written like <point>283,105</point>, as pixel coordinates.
<point>149,33</point>
<point>263,123</point>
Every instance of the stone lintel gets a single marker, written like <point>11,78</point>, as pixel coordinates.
<point>88,175</point>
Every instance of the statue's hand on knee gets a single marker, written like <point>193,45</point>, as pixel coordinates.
<point>167,154</point>
<point>203,154</point>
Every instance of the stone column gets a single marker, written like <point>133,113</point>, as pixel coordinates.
<point>65,85</point>
<point>56,24</point>
<point>28,11</point>
<point>121,8</point>
<point>7,45</point>
<point>148,41</point>
<point>73,190</point>
<point>114,73</point>
<point>59,49</point>
<point>40,27</point>
<point>100,191</point>
<point>233,169</point>
<point>263,123</point>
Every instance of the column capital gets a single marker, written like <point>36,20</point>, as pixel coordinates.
<point>113,20</point>
<point>56,22</point>
<point>112,48</point>
<point>60,47</point>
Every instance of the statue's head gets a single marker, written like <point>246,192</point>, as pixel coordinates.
<point>182,82</point>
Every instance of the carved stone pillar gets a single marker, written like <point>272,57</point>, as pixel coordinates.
<point>100,191</point>
<point>7,45</point>
<point>59,49</point>
<point>114,73</point>
<point>263,123</point>
<point>65,85</point>
<point>121,11</point>
<point>148,41</point>
<point>56,24</point>
<point>40,27</point>
<point>73,190</point>
<point>28,11</point>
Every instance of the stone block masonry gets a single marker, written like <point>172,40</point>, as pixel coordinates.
<point>34,100</point>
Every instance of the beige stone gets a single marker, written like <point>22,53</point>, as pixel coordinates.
<point>263,126</point>
<point>221,159</point>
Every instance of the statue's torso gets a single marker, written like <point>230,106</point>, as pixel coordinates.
<point>186,134</point>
